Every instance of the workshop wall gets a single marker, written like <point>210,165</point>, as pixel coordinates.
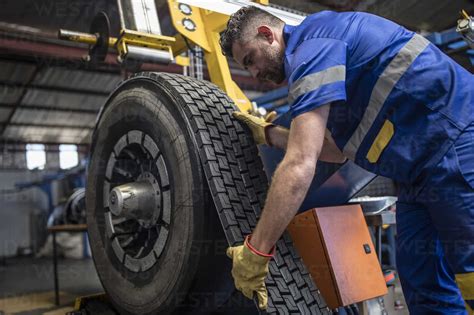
<point>21,214</point>
<point>24,212</point>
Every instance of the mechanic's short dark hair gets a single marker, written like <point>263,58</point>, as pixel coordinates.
<point>239,23</point>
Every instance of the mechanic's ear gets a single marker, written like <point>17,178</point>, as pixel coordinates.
<point>266,32</point>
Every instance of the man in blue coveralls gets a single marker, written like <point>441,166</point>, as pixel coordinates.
<point>367,89</point>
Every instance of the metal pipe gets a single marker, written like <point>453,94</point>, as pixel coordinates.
<point>80,37</point>
<point>77,37</point>
<point>55,270</point>
<point>145,54</point>
<point>120,11</point>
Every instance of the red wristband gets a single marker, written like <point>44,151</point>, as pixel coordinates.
<point>256,251</point>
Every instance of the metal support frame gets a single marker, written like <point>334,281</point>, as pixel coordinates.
<point>195,67</point>
<point>444,37</point>
<point>139,15</point>
<point>377,221</point>
<point>451,41</point>
<point>145,40</point>
<point>466,28</point>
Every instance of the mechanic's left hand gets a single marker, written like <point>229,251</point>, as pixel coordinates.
<point>249,269</point>
<point>257,125</point>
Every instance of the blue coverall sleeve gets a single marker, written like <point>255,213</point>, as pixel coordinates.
<point>317,74</point>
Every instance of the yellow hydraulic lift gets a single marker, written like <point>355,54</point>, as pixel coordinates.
<point>195,23</point>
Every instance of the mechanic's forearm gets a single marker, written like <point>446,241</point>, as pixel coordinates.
<point>289,186</point>
<point>278,137</point>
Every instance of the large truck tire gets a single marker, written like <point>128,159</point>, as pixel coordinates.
<point>178,136</point>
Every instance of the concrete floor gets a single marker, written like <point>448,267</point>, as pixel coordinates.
<point>27,285</point>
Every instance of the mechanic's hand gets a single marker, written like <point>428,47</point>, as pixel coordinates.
<point>257,125</point>
<point>249,269</point>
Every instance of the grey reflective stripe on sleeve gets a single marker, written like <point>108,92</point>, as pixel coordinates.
<point>314,81</point>
<point>382,89</point>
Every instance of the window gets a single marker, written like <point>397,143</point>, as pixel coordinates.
<point>68,156</point>
<point>35,156</point>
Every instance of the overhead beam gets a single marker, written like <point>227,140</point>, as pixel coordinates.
<point>70,64</point>
<point>5,144</point>
<point>50,108</point>
<point>36,125</point>
<point>19,146</point>
<point>48,52</point>
<point>47,88</point>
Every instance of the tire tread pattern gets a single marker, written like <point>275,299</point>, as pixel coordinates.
<point>238,185</point>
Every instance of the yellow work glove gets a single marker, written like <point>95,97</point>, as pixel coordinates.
<point>271,116</point>
<point>257,125</point>
<point>249,269</point>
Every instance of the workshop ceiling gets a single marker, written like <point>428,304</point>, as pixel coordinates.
<point>50,104</point>
<point>48,95</point>
<point>417,15</point>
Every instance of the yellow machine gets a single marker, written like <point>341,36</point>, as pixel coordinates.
<point>195,24</point>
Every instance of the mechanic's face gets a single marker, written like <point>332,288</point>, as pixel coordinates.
<point>262,57</point>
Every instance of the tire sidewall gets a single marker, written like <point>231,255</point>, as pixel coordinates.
<point>137,107</point>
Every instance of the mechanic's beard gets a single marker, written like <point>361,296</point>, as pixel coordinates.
<point>275,71</point>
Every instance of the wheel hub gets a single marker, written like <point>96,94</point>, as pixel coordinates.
<point>137,199</point>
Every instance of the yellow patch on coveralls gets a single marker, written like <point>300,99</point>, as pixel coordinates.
<point>465,282</point>
<point>380,142</point>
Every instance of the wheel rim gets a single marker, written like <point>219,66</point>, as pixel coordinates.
<point>137,201</point>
